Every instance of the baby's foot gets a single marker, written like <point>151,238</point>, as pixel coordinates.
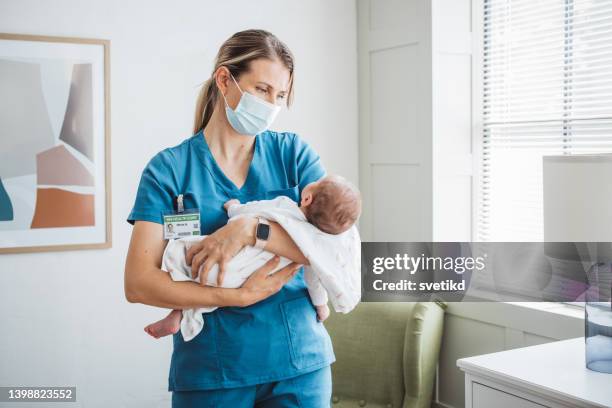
<point>229,203</point>
<point>166,326</point>
<point>322,312</point>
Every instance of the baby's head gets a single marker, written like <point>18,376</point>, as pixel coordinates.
<point>331,204</point>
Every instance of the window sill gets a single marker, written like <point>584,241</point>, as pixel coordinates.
<point>546,319</point>
<point>563,309</point>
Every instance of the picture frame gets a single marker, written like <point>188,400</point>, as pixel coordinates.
<point>55,164</point>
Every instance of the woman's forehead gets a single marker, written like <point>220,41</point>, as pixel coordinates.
<point>271,72</point>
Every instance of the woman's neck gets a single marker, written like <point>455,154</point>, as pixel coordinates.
<point>224,142</point>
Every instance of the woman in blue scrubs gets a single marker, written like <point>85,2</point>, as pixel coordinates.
<point>264,347</point>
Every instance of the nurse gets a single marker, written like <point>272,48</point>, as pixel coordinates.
<point>264,347</point>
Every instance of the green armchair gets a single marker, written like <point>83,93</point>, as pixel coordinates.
<point>386,354</point>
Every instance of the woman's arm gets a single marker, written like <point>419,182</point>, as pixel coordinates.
<point>221,246</point>
<point>146,283</point>
<point>279,243</point>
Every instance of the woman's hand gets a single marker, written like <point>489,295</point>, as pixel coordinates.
<point>260,284</point>
<point>220,247</point>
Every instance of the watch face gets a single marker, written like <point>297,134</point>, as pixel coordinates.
<point>263,231</point>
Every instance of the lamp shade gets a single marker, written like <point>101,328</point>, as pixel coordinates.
<point>578,198</point>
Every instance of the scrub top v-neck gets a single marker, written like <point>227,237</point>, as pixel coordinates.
<point>276,338</point>
<point>211,163</point>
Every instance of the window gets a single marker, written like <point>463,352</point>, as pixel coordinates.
<point>546,89</point>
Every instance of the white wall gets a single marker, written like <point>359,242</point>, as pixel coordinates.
<point>395,119</point>
<point>451,27</point>
<point>65,319</point>
<point>415,119</point>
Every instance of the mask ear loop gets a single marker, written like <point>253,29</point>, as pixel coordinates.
<point>241,92</point>
<point>240,89</point>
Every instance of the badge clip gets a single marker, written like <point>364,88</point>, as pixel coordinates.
<point>179,204</point>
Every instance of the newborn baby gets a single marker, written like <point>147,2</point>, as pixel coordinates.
<point>331,206</point>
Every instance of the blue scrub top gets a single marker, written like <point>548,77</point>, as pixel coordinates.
<point>276,338</point>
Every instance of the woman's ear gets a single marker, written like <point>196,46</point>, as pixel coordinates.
<point>222,78</point>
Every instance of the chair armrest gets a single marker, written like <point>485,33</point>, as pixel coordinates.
<point>421,351</point>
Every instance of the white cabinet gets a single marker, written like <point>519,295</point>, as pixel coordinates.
<point>547,375</point>
<point>487,397</point>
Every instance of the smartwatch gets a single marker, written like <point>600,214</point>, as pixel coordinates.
<point>262,233</point>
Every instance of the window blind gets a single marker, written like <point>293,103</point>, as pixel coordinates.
<point>547,89</point>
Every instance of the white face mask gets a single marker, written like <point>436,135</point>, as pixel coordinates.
<point>252,115</point>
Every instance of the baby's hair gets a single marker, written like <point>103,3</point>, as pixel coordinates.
<point>336,205</point>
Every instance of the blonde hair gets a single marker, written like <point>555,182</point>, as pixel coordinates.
<point>236,53</point>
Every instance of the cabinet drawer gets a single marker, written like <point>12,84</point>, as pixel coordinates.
<point>487,397</point>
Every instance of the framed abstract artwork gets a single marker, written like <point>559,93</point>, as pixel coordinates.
<point>55,190</point>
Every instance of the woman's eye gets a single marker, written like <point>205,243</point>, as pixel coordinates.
<point>281,96</point>
<point>262,90</point>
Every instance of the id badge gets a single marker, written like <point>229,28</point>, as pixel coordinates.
<point>182,222</point>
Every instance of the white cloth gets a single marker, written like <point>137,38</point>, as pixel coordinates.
<point>335,260</point>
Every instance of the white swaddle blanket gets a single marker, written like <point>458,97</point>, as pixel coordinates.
<point>335,260</point>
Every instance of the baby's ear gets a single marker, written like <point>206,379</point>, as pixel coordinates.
<point>306,200</point>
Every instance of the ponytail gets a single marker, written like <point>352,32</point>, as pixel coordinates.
<point>207,98</point>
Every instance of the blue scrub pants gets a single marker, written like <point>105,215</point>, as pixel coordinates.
<point>310,390</point>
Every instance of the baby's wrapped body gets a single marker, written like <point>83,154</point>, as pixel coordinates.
<point>335,260</point>
<point>238,269</point>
